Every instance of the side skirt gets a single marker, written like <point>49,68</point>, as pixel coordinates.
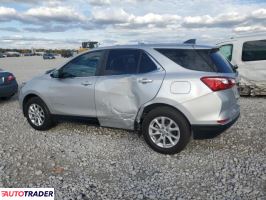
<point>77,119</point>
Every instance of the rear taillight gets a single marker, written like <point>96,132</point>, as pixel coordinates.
<point>216,83</point>
<point>10,78</point>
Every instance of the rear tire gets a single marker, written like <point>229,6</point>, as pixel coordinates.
<point>166,130</point>
<point>38,115</point>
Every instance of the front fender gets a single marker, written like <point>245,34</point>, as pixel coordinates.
<point>24,94</point>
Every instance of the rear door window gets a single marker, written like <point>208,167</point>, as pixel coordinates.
<point>146,64</point>
<point>122,61</point>
<point>254,50</point>
<point>207,60</point>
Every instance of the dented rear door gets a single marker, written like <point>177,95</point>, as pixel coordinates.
<point>119,95</point>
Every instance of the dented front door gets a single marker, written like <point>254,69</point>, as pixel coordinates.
<point>119,97</point>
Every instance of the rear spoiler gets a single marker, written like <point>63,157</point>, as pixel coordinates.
<point>190,41</point>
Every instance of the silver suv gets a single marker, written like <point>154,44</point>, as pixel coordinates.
<point>166,92</point>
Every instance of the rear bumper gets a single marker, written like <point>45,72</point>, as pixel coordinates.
<point>8,90</point>
<point>211,131</point>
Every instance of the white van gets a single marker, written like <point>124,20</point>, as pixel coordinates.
<point>249,54</point>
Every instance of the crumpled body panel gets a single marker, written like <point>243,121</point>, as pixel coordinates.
<point>119,97</point>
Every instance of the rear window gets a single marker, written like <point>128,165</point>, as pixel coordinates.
<point>254,50</point>
<point>207,60</point>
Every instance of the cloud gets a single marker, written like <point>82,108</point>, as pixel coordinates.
<point>30,1</point>
<point>99,2</point>
<point>10,29</point>
<point>119,17</point>
<point>19,41</point>
<point>156,19</point>
<point>42,15</point>
<point>109,42</point>
<point>23,38</point>
<point>49,28</point>
<point>259,14</point>
<point>7,14</point>
<point>54,14</point>
<point>117,21</point>
<point>222,20</point>
<point>18,1</point>
<point>110,16</point>
<point>256,28</point>
<point>102,3</point>
<point>254,21</point>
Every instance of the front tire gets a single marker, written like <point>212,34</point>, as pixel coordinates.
<point>38,115</point>
<point>166,130</point>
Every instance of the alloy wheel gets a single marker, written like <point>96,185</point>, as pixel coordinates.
<point>164,132</point>
<point>36,114</point>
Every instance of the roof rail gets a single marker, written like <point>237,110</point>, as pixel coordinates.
<point>141,43</point>
<point>190,41</point>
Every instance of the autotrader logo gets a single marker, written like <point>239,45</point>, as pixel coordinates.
<point>27,193</point>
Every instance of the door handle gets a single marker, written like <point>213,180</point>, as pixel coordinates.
<point>145,80</point>
<point>86,83</point>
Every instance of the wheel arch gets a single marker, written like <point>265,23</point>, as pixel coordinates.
<point>146,109</point>
<point>26,99</point>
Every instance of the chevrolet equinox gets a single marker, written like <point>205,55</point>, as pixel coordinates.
<point>167,92</point>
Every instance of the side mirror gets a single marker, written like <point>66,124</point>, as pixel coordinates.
<point>55,74</point>
<point>49,71</point>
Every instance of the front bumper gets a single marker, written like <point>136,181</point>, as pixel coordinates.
<point>8,90</point>
<point>211,131</point>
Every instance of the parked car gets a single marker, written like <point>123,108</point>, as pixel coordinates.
<point>8,84</point>
<point>2,55</point>
<point>48,56</point>
<point>167,92</point>
<point>249,54</point>
<point>28,54</point>
<point>12,54</point>
<point>67,54</point>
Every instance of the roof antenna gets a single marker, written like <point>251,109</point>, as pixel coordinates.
<point>190,41</point>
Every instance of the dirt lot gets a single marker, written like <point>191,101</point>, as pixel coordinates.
<point>26,67</point>
<point>87,162</point>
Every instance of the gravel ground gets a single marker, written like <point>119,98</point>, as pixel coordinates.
<point>88,162</point>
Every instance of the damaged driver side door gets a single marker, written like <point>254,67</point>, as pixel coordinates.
<point>129,79</point>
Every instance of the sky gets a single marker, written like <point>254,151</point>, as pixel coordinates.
<point>66,23</point>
